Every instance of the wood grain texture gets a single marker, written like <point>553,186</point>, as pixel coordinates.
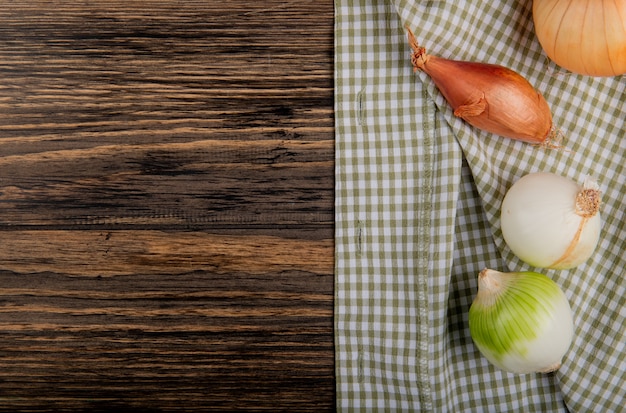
<point>166,206</point>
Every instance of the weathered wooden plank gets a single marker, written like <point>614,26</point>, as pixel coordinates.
<point>198,341</point>
<point>109,72</point>
<point>195,184</point>
<point>105,253</point>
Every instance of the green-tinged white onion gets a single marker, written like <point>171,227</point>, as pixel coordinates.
<point>521,321</point>
<point>550,221</point>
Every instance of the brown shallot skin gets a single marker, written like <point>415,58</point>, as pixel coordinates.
<point>490,97</point>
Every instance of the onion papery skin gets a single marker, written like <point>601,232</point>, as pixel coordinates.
<point>587,37</point>
<point>521,321</point>
<point>514,109</point>
<point>490,97</point>
<point>541,225</point>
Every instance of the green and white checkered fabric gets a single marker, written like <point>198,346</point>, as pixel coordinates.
<point>418,193</point>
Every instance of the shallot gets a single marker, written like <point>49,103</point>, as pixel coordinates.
<point>490,97</point>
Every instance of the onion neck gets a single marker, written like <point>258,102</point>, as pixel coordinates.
<point>491,285</point>
<point>419,58</point>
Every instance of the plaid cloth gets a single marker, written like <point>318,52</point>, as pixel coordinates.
<point>418,193</point>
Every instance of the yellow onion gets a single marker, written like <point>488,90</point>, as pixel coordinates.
<point>489,97</point>
<point>521,321</point>
<point>550,221</point>
<point>584,36</point>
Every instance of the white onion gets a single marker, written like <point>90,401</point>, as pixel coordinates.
<point>521,322</point>
<point>550,221</point>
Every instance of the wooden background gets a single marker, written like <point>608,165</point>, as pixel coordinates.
<point>166,205</point>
